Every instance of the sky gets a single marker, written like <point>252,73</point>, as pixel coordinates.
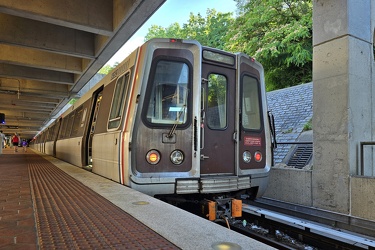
<point>170,12</point>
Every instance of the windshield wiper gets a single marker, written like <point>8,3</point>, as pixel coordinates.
<point>173,129</point>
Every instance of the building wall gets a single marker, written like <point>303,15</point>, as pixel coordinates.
<point>343,114</point>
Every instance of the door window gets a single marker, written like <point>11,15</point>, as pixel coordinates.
<point>217,101</point>
<point>250,104</point>
<point>118,100</point>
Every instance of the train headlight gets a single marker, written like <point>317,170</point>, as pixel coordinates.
<point>258,156</point>
<point>153,157</point>
<point>177,157</point>
<point>246,156</point>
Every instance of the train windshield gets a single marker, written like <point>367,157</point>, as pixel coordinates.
<point>168,100</point>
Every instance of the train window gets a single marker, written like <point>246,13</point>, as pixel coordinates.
<point>77,121</point>
<point>118,100</point>
<point>251,115</point>
<point>56,129</point>
<point>169,95</point>
<point>47,134</point>
<point>217,102</point>
<point>69,125</point>
<point>64,122</point>
<point>50,132</point>
<point>53,131</point>
<point>218,57</point>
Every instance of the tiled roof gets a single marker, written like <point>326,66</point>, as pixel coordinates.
<point>292,108</point>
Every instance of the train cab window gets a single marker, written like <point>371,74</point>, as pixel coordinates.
<point>217,102</point>
<point>169,95</point>
<point>251,115</point>
<point>118,101</point>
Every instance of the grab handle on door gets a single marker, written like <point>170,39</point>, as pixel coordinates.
<point>203,157</point>
<point>235,137</point>
<point>203,116</point>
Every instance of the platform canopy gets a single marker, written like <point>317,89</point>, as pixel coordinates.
<point>49,49</point>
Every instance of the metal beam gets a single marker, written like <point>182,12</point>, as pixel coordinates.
<point>131,18</point>
<point>93,16</point>
<point>17,55</point>
<point>36,74</point>
<point>50,49</point>
<point>22,32</point>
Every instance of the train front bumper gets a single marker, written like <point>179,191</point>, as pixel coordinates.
<point>212,184</point>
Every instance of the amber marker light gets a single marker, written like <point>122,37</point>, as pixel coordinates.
<point>153,157</point>
<point>258,156</point>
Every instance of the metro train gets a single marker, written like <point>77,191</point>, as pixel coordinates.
<point>175,119</point>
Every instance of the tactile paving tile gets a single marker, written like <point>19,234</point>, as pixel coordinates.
<point>17,222</point>
<point>69,215</point>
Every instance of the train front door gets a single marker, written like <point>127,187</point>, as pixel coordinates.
<point>218,120</point>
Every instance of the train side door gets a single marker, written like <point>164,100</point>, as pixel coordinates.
<point>218,120</point>
<point>97,97</point>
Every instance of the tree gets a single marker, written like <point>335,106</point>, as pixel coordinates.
<point>172,31</point>
<point>108,68</point>
<point>209,31</point>
<point>279,35</point>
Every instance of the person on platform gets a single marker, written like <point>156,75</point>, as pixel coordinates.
<point>24,145</point>
<point>2,140</point>
<point>15,141</point>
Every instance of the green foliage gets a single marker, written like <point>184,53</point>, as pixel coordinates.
<point>308,125</point>
<point>106,69</point>
<point>172,31</point>
<point>72,101</point>
<point>216,90</point>
<point>279,35</point>
<point>209,31</point>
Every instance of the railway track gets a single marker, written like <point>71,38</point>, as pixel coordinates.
<point>283,228</point>
<point>287,232</point>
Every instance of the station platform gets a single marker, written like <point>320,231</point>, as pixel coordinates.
<point>46,203</point>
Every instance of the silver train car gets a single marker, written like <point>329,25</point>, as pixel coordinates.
<point>174,118</point>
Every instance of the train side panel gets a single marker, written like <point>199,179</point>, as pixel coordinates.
<point>69,150</point>
<point>49,147</point>
<point>254,135</point>
<point>69,134</point>
<point>107,137</point>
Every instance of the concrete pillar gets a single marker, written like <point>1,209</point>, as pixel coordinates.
<point>343,64</point>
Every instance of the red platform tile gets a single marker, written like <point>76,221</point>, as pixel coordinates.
<point>68,215</point>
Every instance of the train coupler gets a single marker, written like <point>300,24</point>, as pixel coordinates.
<point>223,208</point>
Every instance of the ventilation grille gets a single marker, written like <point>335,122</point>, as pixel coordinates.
<point>301,156</point>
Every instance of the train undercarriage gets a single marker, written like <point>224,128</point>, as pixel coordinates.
<point>214,207</point>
